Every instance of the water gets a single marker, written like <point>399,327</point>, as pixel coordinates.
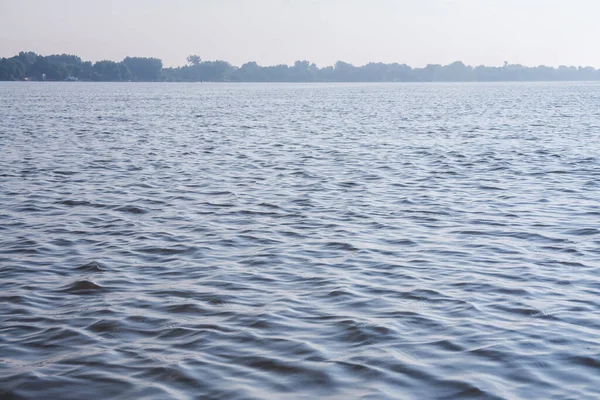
<point>299,241</point>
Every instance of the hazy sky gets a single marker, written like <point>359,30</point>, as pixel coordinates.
<point>415,32</point>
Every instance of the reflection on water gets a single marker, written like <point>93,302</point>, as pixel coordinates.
<point>299,241</point>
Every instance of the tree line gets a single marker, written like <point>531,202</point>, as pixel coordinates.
<point>60,67</point>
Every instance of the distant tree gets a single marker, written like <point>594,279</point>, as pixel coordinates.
<point>215,71</point>
<point>250,72</point>
<point>144,68</point>
<point>343,72</point>
<point>39,68</point>
<point>62,66</point>
<point>303,71</point>
<point>27,58</point>
<point>63,59</point>
<point>326,74</point>
<point>277,73</point>
<point>11,69</point>
<point>400,73</point>
<point>194,60</point>
<point>86,69</point>
<point>110,71</point>
<point>373,72</point>
<point>56,72</point>
<point>457,71</point>
<point>125,73</point>
<point>430,73</point>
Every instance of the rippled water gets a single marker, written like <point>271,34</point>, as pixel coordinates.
<point>299,241</point>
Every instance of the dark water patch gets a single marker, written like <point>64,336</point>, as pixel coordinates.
<point>185,308</point>
<point>401,242</point>
<point>66,173</point>
<point>74,203</point>
<point>591,361</point>
<point>490,187</point>
<point>340,246</point>
<point>83,287</point>
<point>105,326</point>
<point>131,209</point>
<point>166,251</point>
<point>584,232</point>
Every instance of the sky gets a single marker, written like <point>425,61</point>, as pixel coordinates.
<point>414,32</point>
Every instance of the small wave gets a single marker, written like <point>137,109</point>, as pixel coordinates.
<point>83,287</point>
<point>92,266</point>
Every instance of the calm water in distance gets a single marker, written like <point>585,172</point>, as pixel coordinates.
<point>281,241</point>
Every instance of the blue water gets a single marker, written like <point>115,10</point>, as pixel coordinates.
<point>282,241</point>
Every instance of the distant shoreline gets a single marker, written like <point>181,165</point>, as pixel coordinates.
<point>29,66</point>
<point>298,82</point>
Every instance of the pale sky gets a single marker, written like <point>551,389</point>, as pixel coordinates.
<point>415,32</point>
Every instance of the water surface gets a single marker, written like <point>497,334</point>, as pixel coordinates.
<point>249,241</point>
